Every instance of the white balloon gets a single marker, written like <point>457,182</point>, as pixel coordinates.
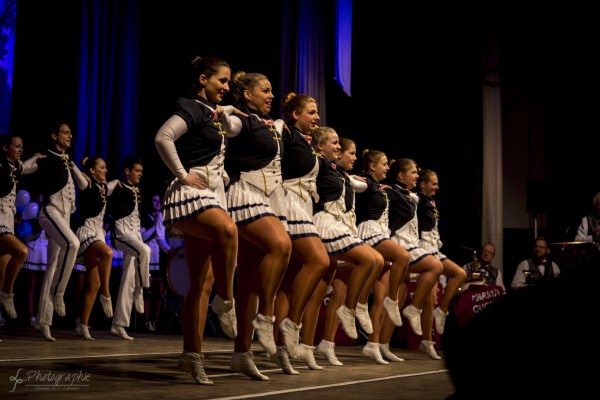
<point>30,211</point>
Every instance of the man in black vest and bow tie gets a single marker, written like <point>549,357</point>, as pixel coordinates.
<point>537,268</point>
<point>127,237</point>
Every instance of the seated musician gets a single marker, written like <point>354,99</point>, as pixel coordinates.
<point>486,273</point>
<point>536,269</point>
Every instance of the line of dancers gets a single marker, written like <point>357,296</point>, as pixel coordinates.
<point>274,199</point>
<point>271,202</point>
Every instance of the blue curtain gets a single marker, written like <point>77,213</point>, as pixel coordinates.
<point>108,84</point>
<point>343,44</point>
<point>8,15</point>
<point>303,61</point>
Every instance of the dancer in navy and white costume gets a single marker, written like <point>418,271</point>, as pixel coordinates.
<point>56,174</point>
<point>372,209</point>
<point>256,201</point>
<point>154,237</point>
<point>94,253</point>
<point>404,225</point>
<point>35,267</point>
<point>429,233</point>
<point>343,272</point>
<point>12,250</point>
<point>126,235</point>
<point>309,259</point>
<point>192,144</point>
<point>335,222</point>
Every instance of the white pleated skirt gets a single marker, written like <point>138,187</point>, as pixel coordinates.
<point>89,233</point>
<point>299,216</point>
<point>372,233</point>
<point>181,201</point>
<point>248,203</point>
<point>416,253</point>
<point>430,244</point>
<point>37,256</point>
<point>336,236</point>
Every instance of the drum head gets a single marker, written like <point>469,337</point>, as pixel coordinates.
<point>178,276</point>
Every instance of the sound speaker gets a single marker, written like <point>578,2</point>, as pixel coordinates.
<point>538,197</point>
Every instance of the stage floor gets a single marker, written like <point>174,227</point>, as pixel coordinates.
<point>146,368</point>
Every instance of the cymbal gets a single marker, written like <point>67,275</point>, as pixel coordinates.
<point>574,246</point>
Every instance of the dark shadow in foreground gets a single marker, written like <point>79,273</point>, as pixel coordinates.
<point>535,342</point>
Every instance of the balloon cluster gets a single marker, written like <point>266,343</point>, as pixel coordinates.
<point>28,210</point>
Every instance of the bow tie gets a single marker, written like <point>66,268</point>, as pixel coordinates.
<point>308,138</point>
<point>215,116</point>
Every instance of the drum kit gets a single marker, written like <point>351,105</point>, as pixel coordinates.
<point>178,281</point>
<point>178,277</point>
<point>573,254</point>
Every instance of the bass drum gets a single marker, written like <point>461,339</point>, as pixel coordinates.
<point>178,276</point>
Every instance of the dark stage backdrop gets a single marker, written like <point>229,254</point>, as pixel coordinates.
<point>419,97</point>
